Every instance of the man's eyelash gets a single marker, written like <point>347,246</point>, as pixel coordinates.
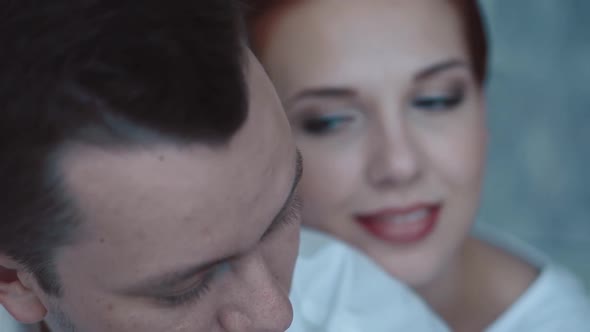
<point>291,215</point>
<point>189,296</point>
<point>197,292</point>
<point>294,211</point>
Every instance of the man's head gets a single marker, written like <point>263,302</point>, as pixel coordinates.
<point>145,188</point>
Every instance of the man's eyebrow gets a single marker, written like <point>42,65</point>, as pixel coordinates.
<point>440,67</point>
<point>323,92</point>
<point>168,281</point>
<point>291,199</point>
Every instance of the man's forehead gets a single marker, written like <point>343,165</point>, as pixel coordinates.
<point>83,165</point>
<point>160,207</point>
<point>161,182</point>
<point>164,207</point>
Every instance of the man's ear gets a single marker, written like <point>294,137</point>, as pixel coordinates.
<point>18,292</point>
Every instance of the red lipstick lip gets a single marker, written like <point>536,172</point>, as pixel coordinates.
<point>400,210</point>
<point>377,224</point>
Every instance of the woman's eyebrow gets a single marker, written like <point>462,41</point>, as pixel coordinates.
<point>440,67</point>
<point>322,92</point>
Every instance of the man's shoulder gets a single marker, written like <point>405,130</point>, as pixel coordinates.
<point>8,324</point>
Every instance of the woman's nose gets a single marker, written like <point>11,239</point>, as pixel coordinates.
<point>393,160</point>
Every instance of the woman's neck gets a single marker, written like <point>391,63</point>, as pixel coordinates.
<point>444,292</point>
<point>474,291</point>
<point>462,294</point>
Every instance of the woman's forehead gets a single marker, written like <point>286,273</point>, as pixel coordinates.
<point>340,45</point>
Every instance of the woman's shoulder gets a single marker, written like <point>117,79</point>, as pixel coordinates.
<point>554,299</point>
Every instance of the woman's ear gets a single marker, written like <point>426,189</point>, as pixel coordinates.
<point>18,294</point>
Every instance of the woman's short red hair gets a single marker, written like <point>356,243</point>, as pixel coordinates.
<point>470,11</point>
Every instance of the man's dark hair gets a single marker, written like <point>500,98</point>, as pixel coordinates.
<point>112,72</point>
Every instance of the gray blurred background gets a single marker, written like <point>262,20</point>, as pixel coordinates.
<point>539,111</point>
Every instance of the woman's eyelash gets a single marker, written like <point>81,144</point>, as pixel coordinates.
<point>438,102</point>
<point>322,125</point>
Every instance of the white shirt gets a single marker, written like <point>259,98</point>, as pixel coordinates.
<point>7,324</point>
<point>337,289</point>
<point>555,302</point>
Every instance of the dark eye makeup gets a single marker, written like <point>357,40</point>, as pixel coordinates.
<point>321,125</point>
<point>438,102</point>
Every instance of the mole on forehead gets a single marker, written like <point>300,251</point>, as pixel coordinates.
<point>184,168</point>
<point>88,159</point>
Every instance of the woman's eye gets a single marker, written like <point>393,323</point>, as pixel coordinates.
<point>438,103</point>
<point>325,124</point>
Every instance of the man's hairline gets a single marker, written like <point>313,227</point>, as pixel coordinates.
<point>55,169</point>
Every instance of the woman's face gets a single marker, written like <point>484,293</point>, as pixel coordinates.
<point>390,121</point>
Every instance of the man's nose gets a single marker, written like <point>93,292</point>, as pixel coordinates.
<point>260,302</point>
